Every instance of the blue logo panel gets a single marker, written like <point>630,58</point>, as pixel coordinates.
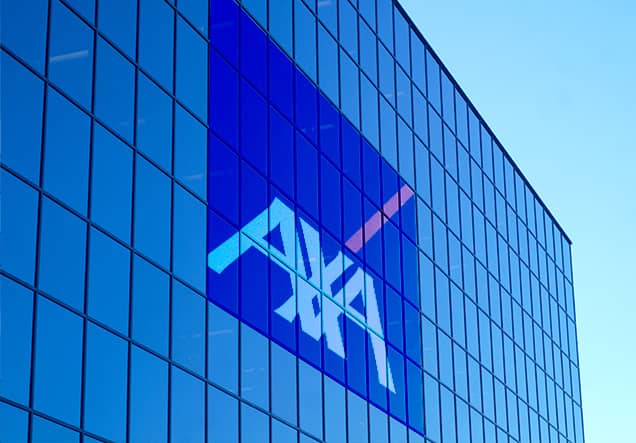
<point>311,234</point>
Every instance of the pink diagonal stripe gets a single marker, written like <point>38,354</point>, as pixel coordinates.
<point>377,220</point>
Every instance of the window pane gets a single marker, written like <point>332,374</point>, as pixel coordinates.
<point>45,431</point>
<point>349,89</point>
<point>328,64</point>
<point>188,328</point>
<point>280,23</point>
<point>152,212</point>
<point>156,40</point>
<point>282,433</point>
<point>14,421</point>
<point>108,281</point>
<point>254,425</point>
<point>305,39</point>
<point>66,152</point>
<point>114,99</point>
<point>111,158</point>
<point>284,384</point>
<point>23,30</point>
<point>58,362</point>
<point>71,54</point>
<point>18,226</point>
<point>187,408</point>
<point>254,367</point>
<point>62,254</point>
<point>21,101</point>
<point>222,417</point>
<point>223,348</point>
<point>151,298</point>
<point>192,69</point>
<point>118,21</point>
<point>154,122</point>
<point>16,313</point>
<point>105,384</point>
<point>310,399</point>
<point>148,397</point>
<point>189,238</point>
<point>190,146</point>
<point>335,415</point>
<point>197,12</point>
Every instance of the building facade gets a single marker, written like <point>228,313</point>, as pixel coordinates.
<point>266,221</point>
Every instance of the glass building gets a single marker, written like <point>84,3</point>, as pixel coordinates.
<point>266,221</point>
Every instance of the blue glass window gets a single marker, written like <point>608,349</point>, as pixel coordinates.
<point>305,39</point>
<point>368,52</point>
<point>349,89</point>
<point>197,13</point>
<point>433,89</point>
<point>378,426</point>
<point>24,31</point>
<point>328,64</point>
<point>280,23</point>
<point>307,174</point>
<point>85,8</point>
<point>402,41</point>
<point>148,397</point>
<point>348,28</point>
<point>431,401</point>
<point>44,431</point>
<point>14,421</point>
<point>281,145</point>
<point>108,281</point>
<point>403,93</point>
<point>154,122</point>
<point>224,29</point>
<point>254,367</point>
<point>385,22</point>
<point>258,9</point>
<point>188,328</point>
<point>223,342</point>
<point>188,254</point>
<point>118,21</point>
<point>150,293</point>
<point>369,103</point>
<point>111,158</point>
<point>281,81</point>
<point>62,254</point>
<point>310,399</point>
<point>22,96</point>
<point>387,74</point>
<point>16,312</point>
<point>152,212</point>
<point>405,152</point>
<point>58,362</point>
<point>284,434</point>
<point>223,172</point>
<point>357,418</point>
<point>335,415</point>
<point>187,408</point>
<point>192,69</point>
<point>253,54</point>
<point>114,101</point>
<point>105,384</point>
<point>19,206</point>
<point>415,396</point>
<point>223,417</point>
<point>66,152</point>
<point>254,425</point>
<point>224,113</point>
<point>71,54</point>
<point>388,133</point>
<point>306,97</point>
<point>156,40</point>
<point>284,384</point>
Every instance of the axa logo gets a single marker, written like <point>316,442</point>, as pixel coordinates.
<point>319,311</point>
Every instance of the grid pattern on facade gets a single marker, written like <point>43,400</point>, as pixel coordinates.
<point>104,211</point>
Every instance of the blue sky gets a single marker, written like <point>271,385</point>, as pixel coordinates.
<point>556,81</point>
